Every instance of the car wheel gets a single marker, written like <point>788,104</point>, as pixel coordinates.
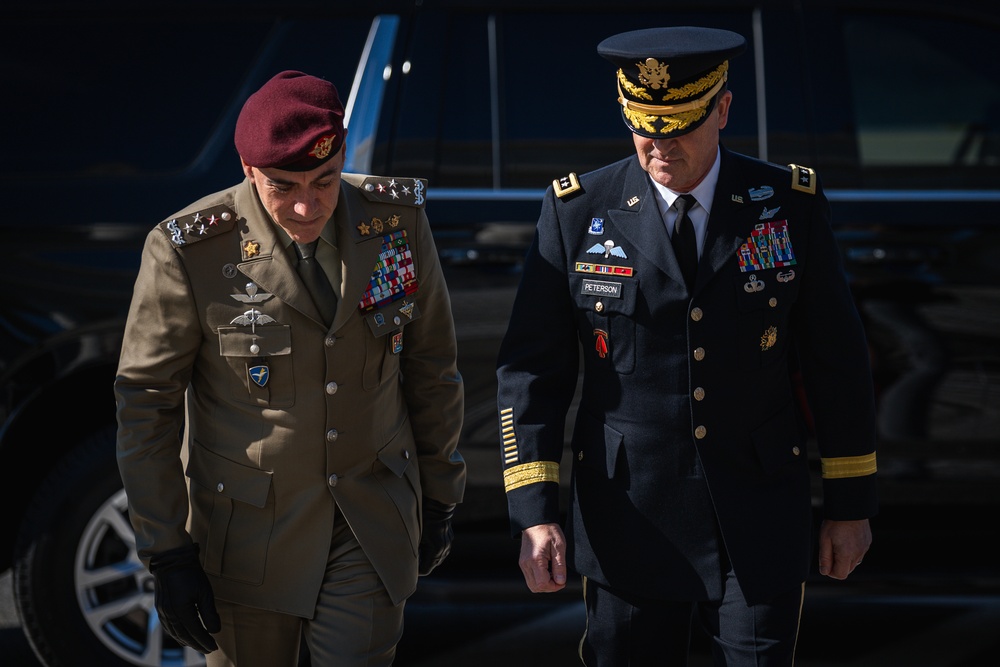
<point>83,596</point>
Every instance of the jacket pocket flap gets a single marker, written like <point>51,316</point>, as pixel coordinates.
<point>231,479</point>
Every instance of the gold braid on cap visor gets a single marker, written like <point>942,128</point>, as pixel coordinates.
<point>673,116</point>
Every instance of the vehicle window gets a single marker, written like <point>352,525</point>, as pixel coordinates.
<point>926,99</point>
<point>514,100</point>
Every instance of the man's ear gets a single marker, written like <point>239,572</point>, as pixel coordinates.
<point>247,169</point>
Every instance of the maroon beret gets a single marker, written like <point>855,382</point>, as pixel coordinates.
<point>294,122</point>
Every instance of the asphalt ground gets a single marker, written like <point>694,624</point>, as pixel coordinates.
<point>916,602</point>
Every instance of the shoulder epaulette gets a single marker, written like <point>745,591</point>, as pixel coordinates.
<point>389,190</point>
<point>803,178</point>
<point>200,225</point>
<point>566,185</point>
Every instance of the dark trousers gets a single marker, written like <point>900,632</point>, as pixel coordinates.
<point>629,631</point>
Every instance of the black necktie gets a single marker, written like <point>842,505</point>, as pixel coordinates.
<point>316,281</point>
<point>683,240</point>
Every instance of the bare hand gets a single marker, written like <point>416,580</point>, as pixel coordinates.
<point>842,546</point>
<point>543,558</point>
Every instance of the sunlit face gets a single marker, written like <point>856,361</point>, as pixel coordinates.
<point>300,202</point>
<point>682,162</point>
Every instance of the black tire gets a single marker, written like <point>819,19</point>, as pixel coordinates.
<point>82,594</point>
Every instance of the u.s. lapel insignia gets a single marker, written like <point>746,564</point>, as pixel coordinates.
<point>633,201</point>
<point>259,374</point>
<point>601,342</point>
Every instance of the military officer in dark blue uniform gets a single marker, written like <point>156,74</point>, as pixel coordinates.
<point>696,282</point>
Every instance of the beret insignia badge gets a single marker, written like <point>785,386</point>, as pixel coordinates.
<point>323,147</point>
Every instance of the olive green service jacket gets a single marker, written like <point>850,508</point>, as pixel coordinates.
<point>248,426</point>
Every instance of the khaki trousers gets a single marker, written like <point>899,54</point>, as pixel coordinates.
<point>355,624</point>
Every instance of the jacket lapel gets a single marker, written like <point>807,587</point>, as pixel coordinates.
<point>358,252</point>
<point>265,260</point>
<point>638,219</point>
<point>724,233</point>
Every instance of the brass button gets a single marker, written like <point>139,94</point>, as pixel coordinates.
<point>699,394</point>
<point>332,480</point>
<point>699,353</point>
<point>331,388</point>
<point>220,487</point>
<point>696,314</point>
<point>772,302</point>
<point>796,451</point>
<point>700,432</point>
<point>579,456</point>
<point>329,341</point>
<point>598,306</point>
<point>331,435</point>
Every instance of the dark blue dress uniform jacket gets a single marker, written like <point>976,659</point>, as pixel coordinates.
<point>689,441</point>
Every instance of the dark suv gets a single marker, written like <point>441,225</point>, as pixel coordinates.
<point>115,118</point>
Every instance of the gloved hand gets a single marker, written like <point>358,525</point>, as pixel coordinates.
<point>183,593</point>
<point>435,541</point>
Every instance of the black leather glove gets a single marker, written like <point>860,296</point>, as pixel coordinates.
<point>184,598</point>
<point>435,541</point>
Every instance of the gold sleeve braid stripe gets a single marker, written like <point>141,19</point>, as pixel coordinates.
<point>848,466</point>
<point>530,473</point>
<point>507,436</point>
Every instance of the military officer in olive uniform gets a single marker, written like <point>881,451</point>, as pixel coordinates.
<point>695,282</point>
<point>319,430</point>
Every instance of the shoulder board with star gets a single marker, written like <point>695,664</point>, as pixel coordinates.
<point>566,185</point>
<point>393,190</point>
<point>200,225</point>
<point>803,179</point>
